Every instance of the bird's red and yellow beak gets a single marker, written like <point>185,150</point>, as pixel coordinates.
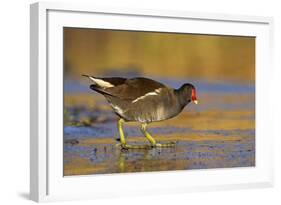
<point>193,96</point>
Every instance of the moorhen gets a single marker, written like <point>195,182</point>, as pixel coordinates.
<point>143,100</point>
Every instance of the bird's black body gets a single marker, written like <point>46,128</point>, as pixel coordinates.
<point>142,99</point>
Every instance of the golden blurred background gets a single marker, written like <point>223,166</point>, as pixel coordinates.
<point>218,132</point>
<point>203,57</point>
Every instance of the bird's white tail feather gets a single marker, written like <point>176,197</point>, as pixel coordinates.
<point>101,83</point>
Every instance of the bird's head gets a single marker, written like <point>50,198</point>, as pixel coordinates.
<point>188,92</point>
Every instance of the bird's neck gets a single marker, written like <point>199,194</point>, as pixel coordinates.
<point>183,97</point>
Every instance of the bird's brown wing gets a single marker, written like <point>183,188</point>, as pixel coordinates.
<point>134,88</point>
<point>113,81</point>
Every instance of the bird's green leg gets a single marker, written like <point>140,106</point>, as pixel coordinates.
<point>152,140</point>
<point>121,133</point>
<point>147,135</point>
<point>124,145</point>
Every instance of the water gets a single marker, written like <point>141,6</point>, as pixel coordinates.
<point>217,133</point>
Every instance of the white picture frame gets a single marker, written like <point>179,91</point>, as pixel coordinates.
<point>46,177</point>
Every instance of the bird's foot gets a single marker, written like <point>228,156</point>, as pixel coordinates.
<point>165,145</point>
<point>147,146</point>
<point>127,146</point>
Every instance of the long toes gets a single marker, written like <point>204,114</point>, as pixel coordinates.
<point>146,146</point>
<point>169,144</point>
<point>126,146</point>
